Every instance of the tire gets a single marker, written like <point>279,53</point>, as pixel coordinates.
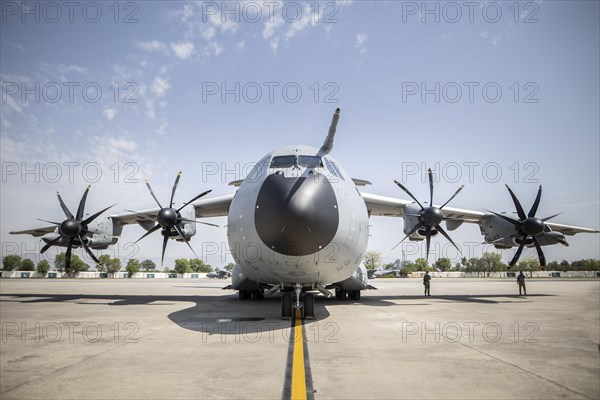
<point>340,294</point>
<point>257,295</point>
<point>286,306</point>
<point>354,294</point>
<point>309,306</point>
<point>244,294</point>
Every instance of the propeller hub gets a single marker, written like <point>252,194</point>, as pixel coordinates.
<point>533,226</point>
<point>70,227</point>
<point>167,217</point>
<point>432,216</point>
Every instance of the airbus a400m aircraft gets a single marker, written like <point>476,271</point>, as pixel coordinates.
<point>298,223</point>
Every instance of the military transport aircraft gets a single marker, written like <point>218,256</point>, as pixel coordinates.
<point>298,223</point>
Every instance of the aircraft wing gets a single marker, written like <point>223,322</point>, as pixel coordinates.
<point>213,207</point>
<point>568,229</point>
<point>35,232</point>
<point>393,207</point>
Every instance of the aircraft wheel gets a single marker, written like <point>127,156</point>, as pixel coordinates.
<point>286,306</point>
<point>354,294</point>
<point>309,306</point>
<point>257,295</point>
<point>340,294</point>
<point>244,294</point>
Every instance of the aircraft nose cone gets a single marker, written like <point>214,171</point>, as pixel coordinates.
<point>296,216</point>
<point>432,216</point>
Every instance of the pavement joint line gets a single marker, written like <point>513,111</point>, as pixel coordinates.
<point>528,371</point>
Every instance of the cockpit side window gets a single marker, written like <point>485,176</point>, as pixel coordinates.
<point>301,161</point>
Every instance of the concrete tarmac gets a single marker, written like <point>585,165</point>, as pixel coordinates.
<point>188,339</point>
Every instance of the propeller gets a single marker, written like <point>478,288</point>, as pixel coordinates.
<point>74,227</point>
<point>169,218</point>
<point>527,226</point>
<point>429,217</point>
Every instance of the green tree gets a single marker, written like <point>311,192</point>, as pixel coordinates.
<point>104,260</point>
<point>229,267</point>
<point>43,267</point>
<point>443,264</point>
<point>490,262</point>
<point>148,265</point>
<point>182,265</point>
<point>77,265</point>
<point>133,267</point>
<point>113,266</point>
<point>421,264</point>
<point>372,259</point>
<point>11,263</point>
<point>27,265</point>
<point>408,267</point>
<point>529,264</point>
<point>59,262</point>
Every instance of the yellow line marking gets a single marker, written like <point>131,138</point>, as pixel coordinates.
<point>298,372</point>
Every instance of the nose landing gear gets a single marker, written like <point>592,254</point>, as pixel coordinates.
<point>290,304</point>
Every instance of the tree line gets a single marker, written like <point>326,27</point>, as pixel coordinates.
<point>488,262</point>
<point>107,264</point>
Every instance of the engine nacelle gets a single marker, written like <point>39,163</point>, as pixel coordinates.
<point>188,228</point>
<point>99,241</point>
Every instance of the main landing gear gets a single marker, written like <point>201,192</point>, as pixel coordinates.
<point>292,302</point>
<point>352,294</point>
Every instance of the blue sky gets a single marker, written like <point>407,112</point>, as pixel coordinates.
<point>517,89</point>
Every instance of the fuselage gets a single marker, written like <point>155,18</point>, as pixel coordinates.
<point>297,218</point>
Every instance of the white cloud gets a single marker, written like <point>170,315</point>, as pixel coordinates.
<point>241,46</point>
<point>496,39</point>
<point>110,113</point>
<point>183,50</point>
<point>160,86</point>
<point>60,71</point>
<point>153,46</point>
<point>361,38</point>
<point>483,35</point>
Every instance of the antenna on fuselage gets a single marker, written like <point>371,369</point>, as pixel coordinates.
<point>328,144</point>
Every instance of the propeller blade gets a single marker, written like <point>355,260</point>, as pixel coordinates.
<point>87,249</point>
<point>552,216</point>
<point>174,188</point>
<point>413,230</point>
<point>518,253</point>
<point>152,193</point>
<point>164,247</point>
<point>93,217</point>
<point>536,203</point>
<point>540,252</point>
<point>64,207</point>
<point>443,232</point>
<point>82,203</point>
<point>408,193</point>
<point>68,255</point>
<point>154,229</point>
<point>178,229</point>
<point>512,221</point>
<point>194,199</point>
<point>48,245</point>
<point>518,206</point>
<point>198,222</point>
<point>430,186</point>
<point>453,196</point>
<point>50,222</point>
<point>428,239</point>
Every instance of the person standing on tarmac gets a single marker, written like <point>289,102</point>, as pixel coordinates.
<point>521,283</point>
<point>427,283</point>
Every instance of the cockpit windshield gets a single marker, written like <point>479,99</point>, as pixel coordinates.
<point>292,160</point>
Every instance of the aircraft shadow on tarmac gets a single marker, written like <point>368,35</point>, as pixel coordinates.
<point>226,315</point>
